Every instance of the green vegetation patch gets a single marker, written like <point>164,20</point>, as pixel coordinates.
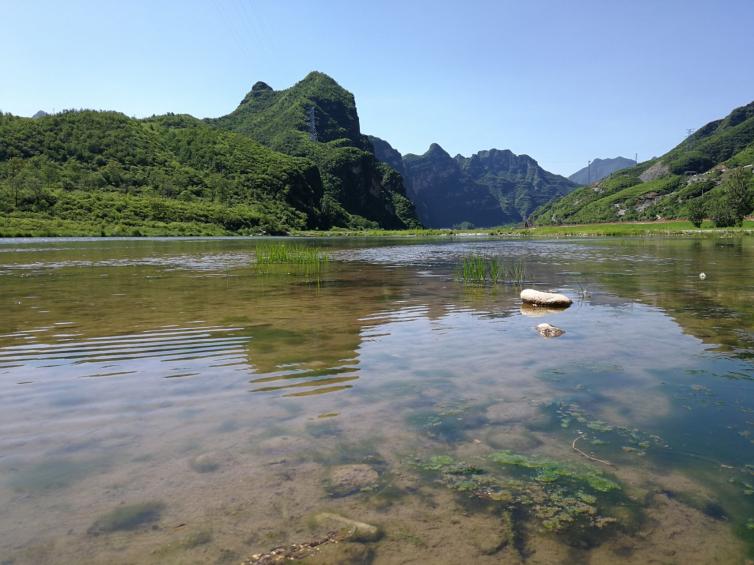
<point>290,254</point>
<point>562,497</point>
<point>551,471</point>
<point>597,432</point>
<point>475,269</point>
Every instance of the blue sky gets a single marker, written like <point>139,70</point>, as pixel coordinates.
<point>563,81</point>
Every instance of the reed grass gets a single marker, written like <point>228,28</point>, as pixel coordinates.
<point>290,254</point>
<point>475,269</point>
<point>516,273</point>
<point>282,258</point>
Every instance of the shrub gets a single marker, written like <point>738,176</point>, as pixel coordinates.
<point>696,212</point>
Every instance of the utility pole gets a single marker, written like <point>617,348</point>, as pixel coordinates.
<point>589,173</point>
<point>636,158</point>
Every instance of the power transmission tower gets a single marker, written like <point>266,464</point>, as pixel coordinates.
<point>312,125</point>
<point>689,133</point>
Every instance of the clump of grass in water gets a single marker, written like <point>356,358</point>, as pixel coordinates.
<point>293,258</point>
<point>476,269</point>
<point>290,254</point>
<point>516,273</point>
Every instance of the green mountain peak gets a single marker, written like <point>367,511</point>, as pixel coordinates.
<point>317,118</point>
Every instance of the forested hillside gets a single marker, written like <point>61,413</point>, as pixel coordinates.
<point>113,174</point>
<point>317,119</point>
<point>709,175</point>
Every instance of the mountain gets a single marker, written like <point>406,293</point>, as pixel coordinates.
<point>40,114</point>
<point>317,119</point>
<point>599,169</point>
<point>490,188</point>
<point>103,172</point>
<point>690,175</point>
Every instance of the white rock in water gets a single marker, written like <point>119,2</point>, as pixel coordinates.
<point>702,276</point>
<point>545,298</point>
<point>547,330</point>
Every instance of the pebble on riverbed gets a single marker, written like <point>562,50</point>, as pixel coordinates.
<point>349,479</point>
<point>347,529</point>
<point>547,330</point>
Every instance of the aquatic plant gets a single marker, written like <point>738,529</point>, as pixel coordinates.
<point>290,254</point>
<point>550,471</point>
<point>597,430</point>
<point>290,259</point>
<point>561,496</point>
<point>516,273</point>
<point>473,269</point>
<point>447,423</point>
<point>476,269</point>
<point>128,517</point>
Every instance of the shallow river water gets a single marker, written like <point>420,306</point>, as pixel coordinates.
<point>166,401</point>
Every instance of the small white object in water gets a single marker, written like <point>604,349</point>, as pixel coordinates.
<point>547,330</point>
<point>702,276</point>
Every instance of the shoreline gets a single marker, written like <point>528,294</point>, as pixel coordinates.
<point>11,227</point>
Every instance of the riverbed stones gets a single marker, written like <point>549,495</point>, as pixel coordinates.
<point>551,299</point>
<point>489,541</point>
<point>344,480</point>
<point>515,438</point>
<point>548,330</point>
<point>207,462</point>
<point>347,529</point>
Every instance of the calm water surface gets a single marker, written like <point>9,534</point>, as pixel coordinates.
<point>164,401</point>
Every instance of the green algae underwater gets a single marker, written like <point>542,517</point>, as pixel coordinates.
<point>357,401</point>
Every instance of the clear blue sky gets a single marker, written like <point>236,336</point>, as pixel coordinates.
<point>563,81</point>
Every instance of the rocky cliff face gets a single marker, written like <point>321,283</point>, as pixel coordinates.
<point>317,119</point>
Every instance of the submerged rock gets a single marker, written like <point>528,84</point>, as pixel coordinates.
<point>547,330</point>
<point>489,541</point>
<point>206,462</point>
<point>127,517</point>
<point>551,299</point>
<point>347,529</point>
<point>350,479</point>
<point>514,412</point>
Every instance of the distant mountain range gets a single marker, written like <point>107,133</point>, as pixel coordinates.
<point>691,174</point>
<point>598,169</point>
<point>490,188</point>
